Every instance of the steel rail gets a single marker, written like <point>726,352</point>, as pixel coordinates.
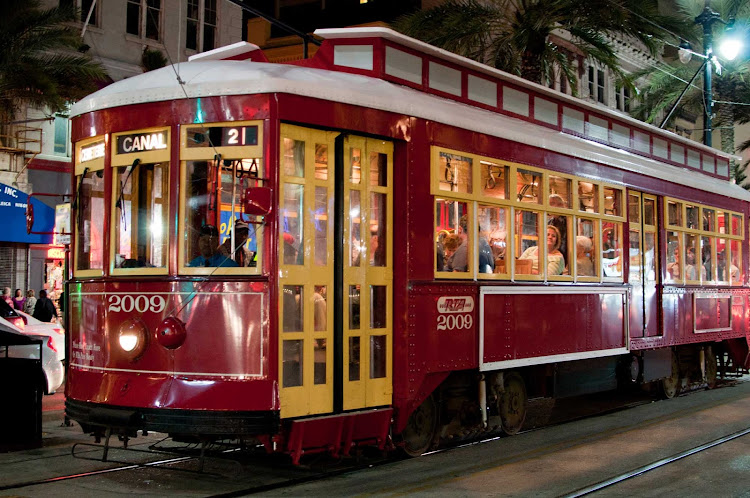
<point>655,465</point>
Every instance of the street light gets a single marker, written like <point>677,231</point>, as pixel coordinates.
<point>729,49</point>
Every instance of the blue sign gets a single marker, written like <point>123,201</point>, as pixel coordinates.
<point>13,214</point>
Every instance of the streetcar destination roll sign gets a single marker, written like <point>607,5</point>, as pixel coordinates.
<point>222,136</point>
<point>141,142</point>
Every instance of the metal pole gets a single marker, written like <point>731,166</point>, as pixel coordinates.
<point>706,19</point>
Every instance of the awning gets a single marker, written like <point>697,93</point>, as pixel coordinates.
<point>13,216</point>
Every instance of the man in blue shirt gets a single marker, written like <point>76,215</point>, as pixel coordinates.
<point>207,243</point>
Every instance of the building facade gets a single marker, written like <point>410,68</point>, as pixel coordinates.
<point>35,150</point>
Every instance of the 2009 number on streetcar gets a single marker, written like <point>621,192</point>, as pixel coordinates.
<point>141,304</point>
<point>452,322</point>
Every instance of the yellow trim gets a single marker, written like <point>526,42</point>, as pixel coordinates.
<point>309,398</point>
<point>146,157</point>
<point>115,213</point>
<point>94,165</point>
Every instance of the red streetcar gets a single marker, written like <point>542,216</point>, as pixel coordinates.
<point>387,242</point>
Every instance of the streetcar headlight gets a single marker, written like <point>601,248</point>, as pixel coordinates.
<point>128,342</point>
<point>132,338</point>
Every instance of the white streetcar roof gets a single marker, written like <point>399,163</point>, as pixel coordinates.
<point>221,77</point>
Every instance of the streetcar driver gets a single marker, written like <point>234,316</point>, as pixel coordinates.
<point>209,257</point>
<point>241,255</point>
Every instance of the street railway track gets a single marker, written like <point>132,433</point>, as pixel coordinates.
<point>323,468</point>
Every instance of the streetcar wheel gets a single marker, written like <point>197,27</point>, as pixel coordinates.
<point>420,432</point>
<point>670,386</point>
<point>711,367</point>
<point>512,403</point>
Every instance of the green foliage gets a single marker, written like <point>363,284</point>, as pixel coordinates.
<point>519,36</point>
<point>39,64</point>
<point>152,59</point>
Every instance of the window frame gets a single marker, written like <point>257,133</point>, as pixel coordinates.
<point>120,160</point>
<point>713,234</point>
<point>201,23</point>
<point>230,152</point>
<point>476,200</point>
<point>143,12</point>
<point>93,165</point>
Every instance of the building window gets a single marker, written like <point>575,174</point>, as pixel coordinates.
<point>143,19</point>
<point>61,136</point>
<point>201,25</point>
<point>597,85</point>
<point>622,99</point>
<point>84,6</point>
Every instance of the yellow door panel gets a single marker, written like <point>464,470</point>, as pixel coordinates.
<point>305,271</point>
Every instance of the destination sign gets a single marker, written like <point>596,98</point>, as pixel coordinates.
<point>141,142</point>
<point>92,151</point>
<point>222,136</point>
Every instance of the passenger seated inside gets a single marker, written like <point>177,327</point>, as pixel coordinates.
<point>555,261</point>
<point>207,245</point>
<point>584,253</point>
<point>673,268</point>
<point>450,245</point>
<point>691,272</point>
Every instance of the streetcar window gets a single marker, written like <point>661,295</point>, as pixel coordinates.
<point>527,226</point>
<point>378,229</point>
<point>90,228</point>
<point>378,169</point>
<point>674,270</point>
<point>707,271</point>
<point>320,308</point>
<point>709,220</point>
<point>588,197</point>
<point>294,157</point>
<point>494,179</point>
<point>694,270</point>
<point>561,246</point>
<point>292,305</point>
<point>649,256</point>
<point>319,375</point>
<point>354,307</point>
<point>560,192</point>
<point>292,363</point>
<point>212,198</point>
<point>736,224</point>
<point>612,201</point>
<point>612,249</point>
<point>635,256</point>
<point>355,228</point>
<point>355,165</point>
<point>321,226</point>
<point>453,257</point>
<point>141,221</point>
<point>321,161</point>
<point>722,251</point>
<point>721,222</point>
<point>378,306</point>
<point>691,216</point>
<point>649,211</point>
<point>377,356</point>
<point>528,186</point>
<point>634,209</point>
<point>354,358</point>
<point>674,213</point>
<point>293,224</point>
<point>493,236</point>
<point>455,173</point>
<point>736,272</point>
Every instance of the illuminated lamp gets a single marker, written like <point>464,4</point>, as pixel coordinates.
<point>132,337</point>
<point>171,332</point>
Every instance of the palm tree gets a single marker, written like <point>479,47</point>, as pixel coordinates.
<point>523,36</point>
<point>731,86</point>
<point>39,64</point>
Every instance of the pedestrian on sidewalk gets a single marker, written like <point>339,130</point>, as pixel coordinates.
<point>44,309</point>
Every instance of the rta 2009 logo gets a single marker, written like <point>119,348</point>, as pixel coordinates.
<point>455,304</point>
